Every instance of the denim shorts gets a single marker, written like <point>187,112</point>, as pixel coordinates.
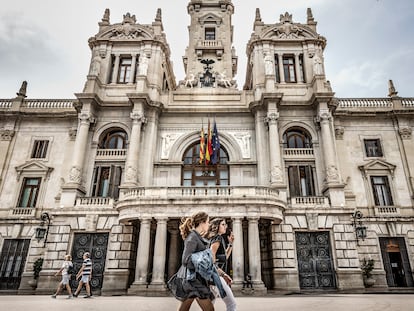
<point>65,279</point>
<point>85,278</point>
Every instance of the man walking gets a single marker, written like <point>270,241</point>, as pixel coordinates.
<point>86,273</point>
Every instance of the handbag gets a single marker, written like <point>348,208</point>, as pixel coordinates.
<point>178,283</point>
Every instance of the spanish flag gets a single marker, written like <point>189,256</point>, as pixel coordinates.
<point>209,147</point>
<point>202,146</point>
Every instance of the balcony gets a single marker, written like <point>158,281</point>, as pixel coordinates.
<point>93,202</point>
<point>111,155</point>
<point>387,211</point>
<point>298,153</point>
<point>25,212</point>
<point>176,202</point>
<point>310,202</point>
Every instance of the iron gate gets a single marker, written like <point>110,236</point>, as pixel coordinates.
<point>96,244</point>
<point>314,260</point>
<point>12,261</point>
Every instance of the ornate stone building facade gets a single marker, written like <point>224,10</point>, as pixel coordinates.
<point>310,184</point>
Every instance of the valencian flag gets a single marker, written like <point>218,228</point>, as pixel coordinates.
<point>209,147</point>
<point>202,145</point>
<point>215,144</point>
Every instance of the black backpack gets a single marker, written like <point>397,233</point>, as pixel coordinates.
<point>71,269</point>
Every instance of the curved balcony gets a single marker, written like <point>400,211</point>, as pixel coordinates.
<point>176,202</point>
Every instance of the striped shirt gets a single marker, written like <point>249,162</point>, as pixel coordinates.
<point>87,270</point>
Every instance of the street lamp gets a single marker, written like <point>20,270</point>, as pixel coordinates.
<point>41,233</point>
<point>360,229</point>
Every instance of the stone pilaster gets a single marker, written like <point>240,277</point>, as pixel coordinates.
<point>238,253</point>
<point>276,171</point>
<point>158,268</point>
<point>255,269</point>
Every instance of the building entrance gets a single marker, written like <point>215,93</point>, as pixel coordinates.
<point>315,260</point>
<point>396,263</point>
<point>12,261</point>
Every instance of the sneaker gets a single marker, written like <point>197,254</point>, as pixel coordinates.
<point>53,296</point>
<point>70,296</point>
<point>75,295</point>
<point>87,296</point>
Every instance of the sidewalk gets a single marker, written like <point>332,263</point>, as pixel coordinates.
<point>336,302</point>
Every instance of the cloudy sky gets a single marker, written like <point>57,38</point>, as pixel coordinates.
<point>45,41</point>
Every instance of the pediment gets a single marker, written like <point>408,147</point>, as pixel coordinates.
<point>125,31</point>
<point>377,166</point>
<point>33,167</point>
<point>210,18</point>
<point>289,31</point>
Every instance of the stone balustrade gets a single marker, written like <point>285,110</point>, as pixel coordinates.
<point>298,152</point>
<point>111,154</point>
<point>90,202</point>
<point>365,103</point>
<point>303,202</point>
<point>5,103</point>
<point>48,103</point>
<point>407,102</point>
<point>387,211</point>
<point>210,44</point>
<point>22,211</point>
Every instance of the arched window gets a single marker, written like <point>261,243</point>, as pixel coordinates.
<point>113,139</point>
<point>297,138</point>
<point>208,175</point>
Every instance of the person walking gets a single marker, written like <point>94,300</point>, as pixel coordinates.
<point>193,229</point>
<point>64,271</point>
<point>221,253</point>
<point>86,273</point>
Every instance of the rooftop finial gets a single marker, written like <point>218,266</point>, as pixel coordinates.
<point>310,15</point>
<point>105,18</point>
<point>286,18</point>
<point>391,89</point>
<point>22,91</point>
<point>258,17</point>
<point>158,16</point>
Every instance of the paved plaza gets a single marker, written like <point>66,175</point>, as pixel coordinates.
<point>328,302</point>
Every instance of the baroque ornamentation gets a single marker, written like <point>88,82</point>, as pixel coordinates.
<point>72,134</point>
<point>131,174</point>
<point>138,117</point>
<point>272,117</point>
<point>243,140</point>
<point>167,140</point>
<point>339,132</point>
<point>332,174</point>
<point>287,30</point>
<point>405,132</point>
<point>127,30</point>
<point>276,175</point>
<point>86,117</point>
<point>7,134</point>
<point>75,175</point>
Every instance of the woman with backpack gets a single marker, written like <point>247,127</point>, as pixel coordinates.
<point>66,274</point>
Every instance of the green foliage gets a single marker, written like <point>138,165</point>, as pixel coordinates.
<point>367,267</point>
<point>37,267</point>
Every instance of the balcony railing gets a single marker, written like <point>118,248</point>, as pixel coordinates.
<point>209,44</point>
<point>322,202</point>
<point>298,152</point>
<point>111,154</point>
<point>365,103</point>
<point>23,211</point>
<point>408,102</point>
<point>387,211</point>
<point>49,103</point>
<point>5,103</point>
<point>90,202</point>
<point>201,192</point>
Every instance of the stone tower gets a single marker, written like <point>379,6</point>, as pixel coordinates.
<point>210,54</point>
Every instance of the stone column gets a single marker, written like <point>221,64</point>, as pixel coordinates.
<point>147,160</point>
<point>133,67</point>
<point>75,175</point>
<point>276,172</point>
<point>297,68</point>
<point>115,69</point>
<point>262,175</point>
<point>158,267</point>
<point>281,71</point>
<point>173,248</point>
<point>131,163</point>
<point>238,252</point>
<point>141,269</point>
<point>332,174</point>
<point>255,269</point>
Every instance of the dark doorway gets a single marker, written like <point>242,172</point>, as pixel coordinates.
<point>96,244</point>
<point>315,260</point>
<point>396,263</point>
<point>12,262</point>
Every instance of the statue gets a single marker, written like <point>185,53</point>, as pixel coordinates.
<point>222,80</point>
<point>269,67</point>
<point>317,65</point>
<point>95,66</point>
<point>143,65</point>
<point>22,91</point>
<point>190,81</point>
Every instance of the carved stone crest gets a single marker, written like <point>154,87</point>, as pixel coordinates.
<point>75,175</point>
<point>7,134</point>
<point>332,174</point>
<point>405,132</point>
<point>276,175</point>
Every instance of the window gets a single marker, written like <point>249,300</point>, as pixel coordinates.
<point>29,192</point>
<point>106,181</point>
<point>373,147</point>
<point>40,149</point>
<point>196,174</point>
<point>381,190</point>
<point>301,181</point>
<point>124,70</point>
<point>297,138</point>
<point>210,34</point>
<point>301,68</point>
<point>277,68</point>
<point>113,139</point>
<point>289,68</point>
